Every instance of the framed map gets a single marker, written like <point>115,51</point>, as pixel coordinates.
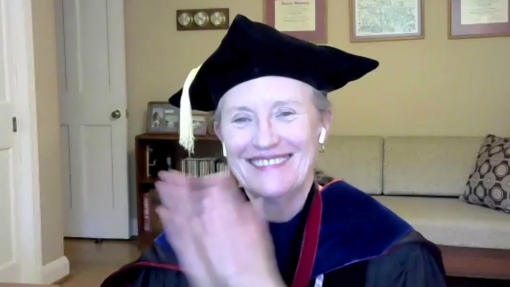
<point>384,20</point>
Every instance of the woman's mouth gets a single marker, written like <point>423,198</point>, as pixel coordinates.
<point>269,161</point>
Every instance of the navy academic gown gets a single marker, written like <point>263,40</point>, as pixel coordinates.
<point>342,237</point>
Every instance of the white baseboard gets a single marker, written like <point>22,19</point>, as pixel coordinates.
<point>55,270</point>
<point>134,227</point>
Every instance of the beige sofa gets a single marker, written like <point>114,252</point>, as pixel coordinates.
<point>421,179</point>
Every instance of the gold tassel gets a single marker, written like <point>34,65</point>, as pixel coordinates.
<point>186,137</point>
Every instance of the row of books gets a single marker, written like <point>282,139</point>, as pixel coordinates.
<point>160,159</point>
<point>197,167</point>
<point>202,167</point>
<point>151,222</point>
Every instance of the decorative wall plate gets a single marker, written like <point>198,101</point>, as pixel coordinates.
<point>202,19</point>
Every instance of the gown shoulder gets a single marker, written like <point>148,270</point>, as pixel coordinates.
<point>413,262</point>
<point>409,265</point>
<point>157,266</point>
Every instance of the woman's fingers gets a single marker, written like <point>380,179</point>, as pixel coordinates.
<point>175,192</point>
<point>169,187</point>
<point>218,195</point>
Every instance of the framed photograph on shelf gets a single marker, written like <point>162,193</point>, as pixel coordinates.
<point>387,20</point>
<point>478,18</point>
<point>162,118</point>
<point>303,19</point>
<point>201,123</point>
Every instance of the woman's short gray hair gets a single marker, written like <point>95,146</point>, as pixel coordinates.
<point>320,101</point>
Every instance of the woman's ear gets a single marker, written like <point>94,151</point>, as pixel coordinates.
<point>219,135</point>
<point>327,118</point>
<point>217,130</point>
<point>325,122</point>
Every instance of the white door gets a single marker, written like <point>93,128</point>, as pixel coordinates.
<point>10,270</point>
<point>93,102</point>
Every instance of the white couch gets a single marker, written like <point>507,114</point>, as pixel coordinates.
<point>421,179</point>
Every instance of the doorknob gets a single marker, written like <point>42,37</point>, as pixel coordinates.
<point>116,114</point>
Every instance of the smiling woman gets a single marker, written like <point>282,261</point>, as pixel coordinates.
<point>268,91</point>
<point>266,127</point>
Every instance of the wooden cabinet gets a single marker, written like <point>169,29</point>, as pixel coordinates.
<point>155,152</point>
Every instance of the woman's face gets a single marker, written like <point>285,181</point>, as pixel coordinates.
<point>270,129</point>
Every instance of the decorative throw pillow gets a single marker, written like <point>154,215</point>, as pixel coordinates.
<point>489,183</point>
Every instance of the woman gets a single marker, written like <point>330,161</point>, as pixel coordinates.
<point>268,91</point>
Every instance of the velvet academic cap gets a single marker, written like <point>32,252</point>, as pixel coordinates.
<point>251,50</point>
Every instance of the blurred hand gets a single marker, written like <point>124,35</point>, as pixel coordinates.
<point>216,234</point>
<point>236,240</point>
<point>180,204</point>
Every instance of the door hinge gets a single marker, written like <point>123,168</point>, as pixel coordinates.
<point>14,124</point>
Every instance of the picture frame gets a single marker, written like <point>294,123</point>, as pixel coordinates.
<point>200,123</point>
<point>304,19</point>
<point>478,18</point>
<point>392,20</point>
<point>162,118</point>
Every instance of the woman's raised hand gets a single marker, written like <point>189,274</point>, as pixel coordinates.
<point>235,239</point>
<point>216,233</point>
<point>181,203</point>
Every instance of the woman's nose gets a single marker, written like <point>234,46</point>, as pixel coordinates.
<point>265,136</point>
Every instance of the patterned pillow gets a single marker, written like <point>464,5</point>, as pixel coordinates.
<point>489,184</point>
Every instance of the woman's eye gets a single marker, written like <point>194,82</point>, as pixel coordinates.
<point>241,120</point>
<point>285,113</point>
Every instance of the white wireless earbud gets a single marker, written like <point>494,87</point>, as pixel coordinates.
<point>322,135</point>
<point>224,150</point>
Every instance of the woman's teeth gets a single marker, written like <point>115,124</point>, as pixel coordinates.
<point>269,162</point>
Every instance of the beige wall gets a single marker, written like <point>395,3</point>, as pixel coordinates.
<point>433,86</point>
<point>423,87</point>
<point>48,124</point>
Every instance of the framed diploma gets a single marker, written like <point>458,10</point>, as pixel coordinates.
<point>386,20</point>
<point>478,18</point>
<point>303,19</point>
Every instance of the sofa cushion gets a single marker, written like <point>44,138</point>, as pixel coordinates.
<point>451,222</point>
<point>489,183</point>
<point>436,166</point>
<point>356,159</point>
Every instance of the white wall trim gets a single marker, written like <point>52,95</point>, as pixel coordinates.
<point>28,202</point>
<point>55,270</point>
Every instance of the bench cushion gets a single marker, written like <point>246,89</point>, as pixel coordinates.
<point>423,165</point>
<point>356,159</point>
<point>451,222</point>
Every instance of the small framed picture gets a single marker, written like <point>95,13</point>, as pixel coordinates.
<point>200,123</point>
<point>162,117</point>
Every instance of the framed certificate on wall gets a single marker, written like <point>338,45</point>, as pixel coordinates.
<point>303,19</point>
<point>478,18</point>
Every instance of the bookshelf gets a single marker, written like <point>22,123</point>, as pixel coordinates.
<point>155,152</point>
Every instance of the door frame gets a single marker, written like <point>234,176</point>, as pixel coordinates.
<point>24,100</point>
